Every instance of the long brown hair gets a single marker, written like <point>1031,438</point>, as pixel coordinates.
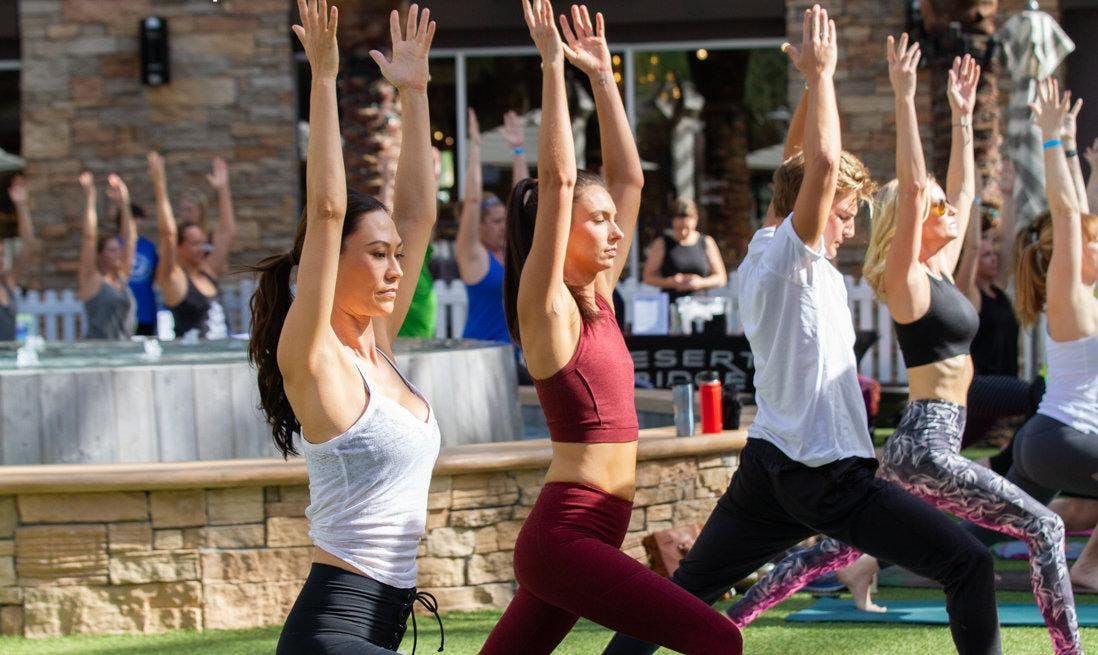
<point>270,304</point>
<point>522,212</point>
<point>1032,254</point>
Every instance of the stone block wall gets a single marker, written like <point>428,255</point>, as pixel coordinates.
<point>150,561</point>
<point>83,106</point>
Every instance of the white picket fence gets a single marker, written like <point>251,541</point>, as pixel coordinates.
<point>60,317</point>
<point>882,362</point>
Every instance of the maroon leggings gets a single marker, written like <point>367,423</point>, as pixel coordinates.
<point>569,564</point>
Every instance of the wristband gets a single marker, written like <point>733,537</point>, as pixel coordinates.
<point>518,152</point>
<point>1071,153</point>
<point>1052,143</point>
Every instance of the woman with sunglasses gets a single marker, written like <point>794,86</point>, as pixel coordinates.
<point>914,247</point>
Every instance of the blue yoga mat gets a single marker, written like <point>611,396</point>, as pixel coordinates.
<point>925,611</point>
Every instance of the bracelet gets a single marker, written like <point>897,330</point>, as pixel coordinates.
<point>518,152</point>
<point>964,122</point>
<point>1051,143</point>
<point>1071,153</point>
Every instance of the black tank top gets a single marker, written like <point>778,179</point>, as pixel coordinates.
<point>995,348</point>
<point>684,259</point>
<point>191,312</point>
<point>946,330</point>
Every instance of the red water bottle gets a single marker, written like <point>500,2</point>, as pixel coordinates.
<point>709,388</point>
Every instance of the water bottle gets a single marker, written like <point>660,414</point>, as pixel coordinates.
<point>732,407</point>
<point>682,397</point>
<point>709,388</point>
<point>165,325</point>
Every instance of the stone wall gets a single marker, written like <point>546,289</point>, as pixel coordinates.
<point>83,106</point>
<point>147,561</point>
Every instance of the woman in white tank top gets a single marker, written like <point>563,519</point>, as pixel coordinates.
<point>325,363</point>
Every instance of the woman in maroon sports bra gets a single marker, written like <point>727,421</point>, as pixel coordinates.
<point>568,237</point>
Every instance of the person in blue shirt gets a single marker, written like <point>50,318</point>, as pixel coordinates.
<point>141,277</point>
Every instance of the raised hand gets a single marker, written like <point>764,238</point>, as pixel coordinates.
<point>1067,133</point>
<point>317,33</point>
<point>219,174</point>
<point>819,51</point>
<point>408,67</point>
<point>17,189</point>
<point>474,129</point>
<point>585,45</point>
<point>1051,108</point>
<point>903,65</point>
<point>539,18</point>
<point>156,170</point>
<point>514,132</point>
<point>117,191</point>
<point>87,183</point>
<point>1091,155</point>
<point>963,79</point>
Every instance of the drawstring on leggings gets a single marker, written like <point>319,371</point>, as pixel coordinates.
<point>431,604</point>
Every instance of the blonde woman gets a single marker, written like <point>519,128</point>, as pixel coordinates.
<point>914,247</point>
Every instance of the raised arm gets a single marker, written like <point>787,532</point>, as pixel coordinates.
<point>1092,183</point>
<point>961,178</point>
<point>470,253</point>
<point>794,136</point>
<point>225,233</point>
<point>170,276</point>
<point>906,285</point>
<point>966,268</point>
<point>822,143</point>
<point>415,190</point>
<point>1069,303</point>
<point>29,245</point>
<point>585,46</point>
<point>1067,135</point>
<point>119,195</point>
<point>514,131</point>
<point>88,277</point>
<point>544,304</point>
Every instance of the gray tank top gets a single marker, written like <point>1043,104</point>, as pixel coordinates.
<point>111,313</point>
<point>7,316</point>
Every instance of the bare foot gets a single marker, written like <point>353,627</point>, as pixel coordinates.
<point>861,579</point>
<point>1084,577</point>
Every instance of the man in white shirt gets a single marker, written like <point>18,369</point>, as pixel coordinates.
<point>808,466</point>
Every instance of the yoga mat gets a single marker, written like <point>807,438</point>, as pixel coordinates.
<point>1018,550</point>
<point>926,612</point>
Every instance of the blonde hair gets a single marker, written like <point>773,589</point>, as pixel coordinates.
<point>854,178</point>
<point>199,199</point>
<point>1032,254</point>
<point>881,232</point>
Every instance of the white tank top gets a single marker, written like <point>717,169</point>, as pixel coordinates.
<point>368,488</point>
<point>1071,396</point>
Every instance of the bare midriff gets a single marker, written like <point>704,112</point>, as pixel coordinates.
<point>321,556</point>
<point>611,467</point>
<point>946,380</point>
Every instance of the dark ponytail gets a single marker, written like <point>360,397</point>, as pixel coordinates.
<point>522,211</point>
<point>270,304</point>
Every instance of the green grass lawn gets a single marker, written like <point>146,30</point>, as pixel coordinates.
<point>465,632</point>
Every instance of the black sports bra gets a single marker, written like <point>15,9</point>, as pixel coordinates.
<point>945,331</point>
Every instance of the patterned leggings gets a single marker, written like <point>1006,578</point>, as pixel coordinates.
<point>922,457</point>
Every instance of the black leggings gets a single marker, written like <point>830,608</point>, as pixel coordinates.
<point>1050,457</point>
<point>774,503</point>
<point>344,613</point>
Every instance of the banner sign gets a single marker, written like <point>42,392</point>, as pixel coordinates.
<point>665,361</point>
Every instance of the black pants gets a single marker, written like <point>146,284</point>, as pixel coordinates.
<point>1050,457</point>
<point>775,502</point>
<point>343,613</point>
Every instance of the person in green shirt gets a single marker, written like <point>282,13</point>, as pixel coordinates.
<point>420,322</point>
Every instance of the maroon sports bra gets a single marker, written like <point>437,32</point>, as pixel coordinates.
<point>590,400</point>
